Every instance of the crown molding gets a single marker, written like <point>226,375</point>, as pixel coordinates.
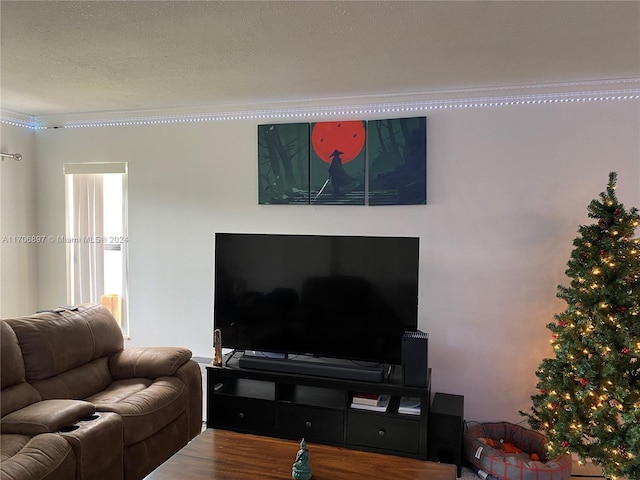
<point>17,119</point>
<point>395,104</point>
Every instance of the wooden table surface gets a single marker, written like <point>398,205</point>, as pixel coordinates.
<point>225,455</point>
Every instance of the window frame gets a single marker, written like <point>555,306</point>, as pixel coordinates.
<point>100,168</point>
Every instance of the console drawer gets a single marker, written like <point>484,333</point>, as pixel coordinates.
<point>314,424</point>
<point>380,431</point>
<point>244,414</point>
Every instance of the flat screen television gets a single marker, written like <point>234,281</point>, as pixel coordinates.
<point>346,297</point>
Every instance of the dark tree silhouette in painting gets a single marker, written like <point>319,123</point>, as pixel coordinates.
<point>398,161</point>
<point>283,163</point>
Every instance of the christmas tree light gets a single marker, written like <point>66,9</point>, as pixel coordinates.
<point>589,394</point>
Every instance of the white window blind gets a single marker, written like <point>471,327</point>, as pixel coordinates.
<point>96,235</point>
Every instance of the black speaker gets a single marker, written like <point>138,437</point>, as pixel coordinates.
<point>415,359</point>
<point>446,426</point>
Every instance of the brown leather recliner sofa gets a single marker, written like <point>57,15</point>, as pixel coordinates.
<point>77,405</point>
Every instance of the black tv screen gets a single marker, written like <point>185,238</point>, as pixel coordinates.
<point>348,297</point>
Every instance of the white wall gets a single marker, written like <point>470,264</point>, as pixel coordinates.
<point>507,189</point>
<point>18,274</point>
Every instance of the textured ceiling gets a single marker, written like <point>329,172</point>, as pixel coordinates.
<point>89,56</point>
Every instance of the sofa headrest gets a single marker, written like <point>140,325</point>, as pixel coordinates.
<point>54,342</point>
<point>16,392</point>
<point>11,364</point>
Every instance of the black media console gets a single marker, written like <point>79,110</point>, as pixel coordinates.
<point>293,405</point>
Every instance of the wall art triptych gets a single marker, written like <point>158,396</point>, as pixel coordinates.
<point>379,162</point>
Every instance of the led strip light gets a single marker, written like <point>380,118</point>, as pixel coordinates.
<point>311,113</point>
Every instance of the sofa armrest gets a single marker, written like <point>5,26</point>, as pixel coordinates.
<point>147,362</point>
<point>47,416</point>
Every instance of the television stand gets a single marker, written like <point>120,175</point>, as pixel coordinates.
<point>321,367</point>
<point>318,409</point>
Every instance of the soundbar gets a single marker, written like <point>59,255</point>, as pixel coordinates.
<point>304,365</point>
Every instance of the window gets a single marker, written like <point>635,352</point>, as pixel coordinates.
<point>97,236</point>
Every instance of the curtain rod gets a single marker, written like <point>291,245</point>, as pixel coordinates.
<point>16,156</point>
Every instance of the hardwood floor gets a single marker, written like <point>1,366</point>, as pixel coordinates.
<point>587,471</point>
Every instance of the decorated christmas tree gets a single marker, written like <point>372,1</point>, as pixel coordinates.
<point>589,394</point>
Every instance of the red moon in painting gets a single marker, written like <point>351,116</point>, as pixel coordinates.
<point>346,137</point>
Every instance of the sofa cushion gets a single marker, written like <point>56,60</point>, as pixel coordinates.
<point>12,365</point>
<point>118,391</point>
<point>145,406</point>
<point>47,416</point>
<point>16,393</point>
<point>17,397</point>
<point>44,457</point>
<point>79,382</point>
<point>54,342</point>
